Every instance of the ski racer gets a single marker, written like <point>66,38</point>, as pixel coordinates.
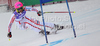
<point>24,22</point>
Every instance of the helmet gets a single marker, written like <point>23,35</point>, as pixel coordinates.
<point>18,5</point>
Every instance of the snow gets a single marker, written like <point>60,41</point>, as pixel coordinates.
<point>86,21</point>
<point>3,8</point>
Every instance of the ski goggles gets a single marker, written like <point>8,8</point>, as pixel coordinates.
<point>18,9</point>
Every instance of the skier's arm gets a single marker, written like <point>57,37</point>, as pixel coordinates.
<point>11,22</point>
<point>33,9</point>
<point>9,26</point>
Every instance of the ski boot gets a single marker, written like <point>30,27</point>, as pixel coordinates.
<point>56,28</point>
<point>42,32</point>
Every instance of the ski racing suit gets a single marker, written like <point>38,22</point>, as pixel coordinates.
<point>24,22</point>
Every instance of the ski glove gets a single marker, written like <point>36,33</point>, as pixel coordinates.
<point>39,13</point>
<point>9,35</point>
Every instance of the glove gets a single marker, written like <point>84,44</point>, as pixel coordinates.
<point>9,35</point>
<point>39,13</point>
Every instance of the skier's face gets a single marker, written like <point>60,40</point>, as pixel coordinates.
<point>20,10</point>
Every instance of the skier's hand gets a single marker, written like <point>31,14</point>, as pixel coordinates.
<point>9,35</point>
<point>39,13</point>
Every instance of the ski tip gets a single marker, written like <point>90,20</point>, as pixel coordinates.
<point>74,11</point>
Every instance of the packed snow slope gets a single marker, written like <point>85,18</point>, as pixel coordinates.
<point>86,21</point>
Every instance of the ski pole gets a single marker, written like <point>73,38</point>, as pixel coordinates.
<point>61,12</point>
<point>71,18</point>
<point>9,39</point>
<point>43,22</point>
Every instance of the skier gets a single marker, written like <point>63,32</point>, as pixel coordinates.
<point>24,22</point>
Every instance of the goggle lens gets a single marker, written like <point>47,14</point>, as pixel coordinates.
<point>21,8</point>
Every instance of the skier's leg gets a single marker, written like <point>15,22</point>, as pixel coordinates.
<point>31,26</point>
<point>34,26</point>
<point>50,25</point>
<point>20,25</point>
<point>37,29</point>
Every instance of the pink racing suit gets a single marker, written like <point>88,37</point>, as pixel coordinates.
<point>24,22</point>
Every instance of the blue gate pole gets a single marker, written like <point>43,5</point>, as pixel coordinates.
<point>43,22</point>
<point>71,19</point>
